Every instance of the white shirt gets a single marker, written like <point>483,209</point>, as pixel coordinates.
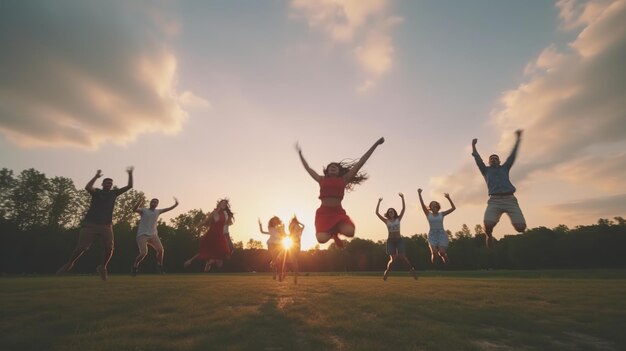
<point>435,221</point>
<point>148,221</point>
<point>393,225</point>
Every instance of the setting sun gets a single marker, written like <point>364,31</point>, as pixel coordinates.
<point>287,242</point>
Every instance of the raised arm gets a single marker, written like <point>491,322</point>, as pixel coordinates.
<point>89,186</point>
<point>171,207</point>
<point>261,228</point>
<point>378,210</point>
<point>309,170</point>
<point>355,169</point>
<point>129,186</point>
<point>477,158</point>
<point>511,159</point>
<point>424,208</point>
<point>452,208</point>
<point>136,206</point>
<point>403,205</point>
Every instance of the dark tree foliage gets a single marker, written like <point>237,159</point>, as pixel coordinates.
<point>40,221</point>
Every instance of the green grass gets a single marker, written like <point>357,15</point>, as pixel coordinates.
<point>500,310</point>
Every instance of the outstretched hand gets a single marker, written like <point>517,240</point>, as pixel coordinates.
<point>380,141</point>
<point>446,195</point>
<point>380,199</point>
<point>175,201</point>
<point>130,169</point>
<point>419,191</point>
<point>474,141</point>
<point>99,173</point>
<point>401,195</point>
<point>298,148</point>
<point>518,133</point>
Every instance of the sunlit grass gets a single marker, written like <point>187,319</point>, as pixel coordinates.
<point>322,312</point>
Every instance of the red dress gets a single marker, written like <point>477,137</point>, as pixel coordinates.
<point>328,218</point>
<point>213,244</point>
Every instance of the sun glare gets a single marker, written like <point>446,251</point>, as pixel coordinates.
<point>287,242</point>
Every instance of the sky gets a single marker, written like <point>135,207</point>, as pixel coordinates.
<point>207,99</point>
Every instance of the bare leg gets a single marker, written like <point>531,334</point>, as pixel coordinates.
<point>208,264</point>
<point>412,269</point>
<point>346,229</point>
<point>282,266</point>
<point>294,261</point>
<point>443,254</point>
<point>520,227</point>
<point>189,261</point>
<point>159,257</point>
<point>322,237</point>
<point>138,259</point>
<point>102,269</point>
<point>489,233</point>
<point>389,264</point>
<point>433,253</point>
<point>69,264</point>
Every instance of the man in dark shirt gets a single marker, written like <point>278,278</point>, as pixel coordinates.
<point>501,190</point>
<point>98,222</point>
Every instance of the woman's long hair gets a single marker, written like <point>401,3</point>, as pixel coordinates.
<point>231,215</point>
<point>274,222</point>
<point>395,213</point>
<point>344,167</point>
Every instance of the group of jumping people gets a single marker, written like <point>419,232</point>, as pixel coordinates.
<point>331,219</point>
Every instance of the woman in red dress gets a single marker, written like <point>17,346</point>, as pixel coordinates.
<point>213,244</point>
<point>330,218</point>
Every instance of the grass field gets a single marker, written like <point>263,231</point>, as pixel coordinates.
<point>538,310</point>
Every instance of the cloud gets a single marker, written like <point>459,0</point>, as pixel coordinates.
<point>572,105</point>
<point>592,208</point>
<point>189,99</point>
<point>361,25</point>
<point>83,73</point>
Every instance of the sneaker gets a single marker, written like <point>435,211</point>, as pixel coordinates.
<point>159,269</point>
<point>134,270</point>
<point>103,273</point>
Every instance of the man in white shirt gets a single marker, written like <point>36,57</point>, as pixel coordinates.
<point>147,233</point>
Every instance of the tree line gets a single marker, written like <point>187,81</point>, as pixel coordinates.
<point>40,219</point>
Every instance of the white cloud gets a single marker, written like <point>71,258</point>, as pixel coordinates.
<point>361,25</point>
<point>572,105</point>
<point>579,13</point>
<point>83,73</point>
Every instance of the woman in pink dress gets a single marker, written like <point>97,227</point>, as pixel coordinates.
<point>213,244</point>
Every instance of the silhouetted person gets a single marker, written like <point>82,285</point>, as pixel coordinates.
<point>330,218</point>
<point>396,248</point>
<point>501,191</point>
<point>98,222</point>
<point>437,235</point>
<point>147,233</point>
